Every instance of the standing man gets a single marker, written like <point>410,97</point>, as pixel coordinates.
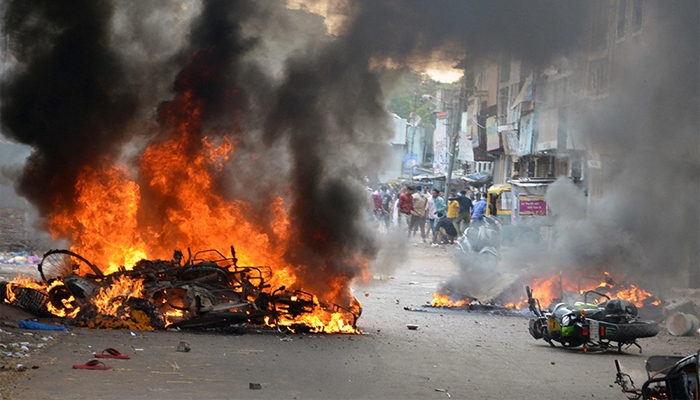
<point>377,201</point>
<point>418,213</point>
<point>405,206</point>
<point>430,213</point>
<point>440,205</point>
<point>386,206</point>
<point>452,206</point>
<point>479,211</point>
<point>464,213</point>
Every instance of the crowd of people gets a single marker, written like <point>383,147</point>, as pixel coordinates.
<point>415,208</point>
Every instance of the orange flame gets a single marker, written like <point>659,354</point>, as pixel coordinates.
<point>175,201</point>
<point>443,300</point>
<point>549,289</point>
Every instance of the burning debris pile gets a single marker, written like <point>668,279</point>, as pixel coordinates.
<point>554,288</point>
<point>206,290</point>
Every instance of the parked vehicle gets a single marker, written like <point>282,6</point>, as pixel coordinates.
<point>502,199</point>
<point>598,326</point>
<point>668,377</point>
<point>482,241</point>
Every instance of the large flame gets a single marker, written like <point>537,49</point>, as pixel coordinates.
<point>174,201</point>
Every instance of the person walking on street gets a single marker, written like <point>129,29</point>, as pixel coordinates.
<point>479,211</point>
<point>464,213</point>
<point>405,206</point>
<point>418,214</point>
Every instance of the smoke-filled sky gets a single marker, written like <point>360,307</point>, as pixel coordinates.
<point>88,79</point>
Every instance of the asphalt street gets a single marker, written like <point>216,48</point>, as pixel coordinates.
<point>453,354</point>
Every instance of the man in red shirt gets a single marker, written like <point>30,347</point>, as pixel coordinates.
<point>405,206</point>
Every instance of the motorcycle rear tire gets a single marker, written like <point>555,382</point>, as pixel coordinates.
<point>635,330</point>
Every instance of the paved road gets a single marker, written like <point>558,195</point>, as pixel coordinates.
<point>468,355</point>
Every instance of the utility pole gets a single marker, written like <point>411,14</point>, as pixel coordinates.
<point>454,135</point>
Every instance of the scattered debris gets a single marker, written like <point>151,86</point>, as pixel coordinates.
<point>201,290</point>
<point>184,347</point>
<point>681,324</point>
<point>92,364</point>
<point>443,391</point>
<point>112,353</point>
<point>255,386</point>
<point>39,326</point>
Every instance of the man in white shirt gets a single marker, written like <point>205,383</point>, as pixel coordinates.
<point>431,214</point>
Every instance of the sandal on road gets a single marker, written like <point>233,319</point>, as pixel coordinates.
<point>92,364</point>
<point>112,353</point>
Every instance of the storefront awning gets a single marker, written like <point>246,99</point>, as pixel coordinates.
<point>479,177</point>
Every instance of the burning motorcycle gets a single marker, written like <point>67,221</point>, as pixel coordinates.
<point>204,290</point>
<point>590,325</point>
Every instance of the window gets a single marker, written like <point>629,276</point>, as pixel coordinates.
<point>637,15</point>
<point>558,92</point>
<point>505,201</point>
<point>562,127</point>
<point>505,70</point>
<point>598,77</point>
<point>621,18</point>
<point>599,33</point>
<point>542,92</point>
<point>503,103</point>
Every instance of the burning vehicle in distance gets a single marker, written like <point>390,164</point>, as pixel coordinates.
<point>595,326</point>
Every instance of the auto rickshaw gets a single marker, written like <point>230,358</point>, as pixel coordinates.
<point>501,198</point>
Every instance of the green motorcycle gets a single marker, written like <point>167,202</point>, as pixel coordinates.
<point>595,326</point>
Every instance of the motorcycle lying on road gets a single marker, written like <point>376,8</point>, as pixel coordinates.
<point>594,326</point>
<point>482,241</point>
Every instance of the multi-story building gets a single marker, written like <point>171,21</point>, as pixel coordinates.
<point>531,120</point>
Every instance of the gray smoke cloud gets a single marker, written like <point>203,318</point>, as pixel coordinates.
<point>638,217</point>
<point>308,111</point>
<point>647,221</point>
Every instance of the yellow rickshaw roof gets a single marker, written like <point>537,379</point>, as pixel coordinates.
<point>499,188</point>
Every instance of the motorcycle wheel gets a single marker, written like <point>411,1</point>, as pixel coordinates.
<point>57,264</point>
<point>635,330</point>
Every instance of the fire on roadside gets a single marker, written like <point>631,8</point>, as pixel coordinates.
<point>173,200</point>
<point>443,300</point>
<point>554,287</point>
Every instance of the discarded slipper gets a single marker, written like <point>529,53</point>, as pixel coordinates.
<point>92,364</point>
<point>112,353</point>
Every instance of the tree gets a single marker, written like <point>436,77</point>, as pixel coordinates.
<point>408,96</point>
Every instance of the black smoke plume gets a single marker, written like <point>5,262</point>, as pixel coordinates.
<point>67,99</point>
